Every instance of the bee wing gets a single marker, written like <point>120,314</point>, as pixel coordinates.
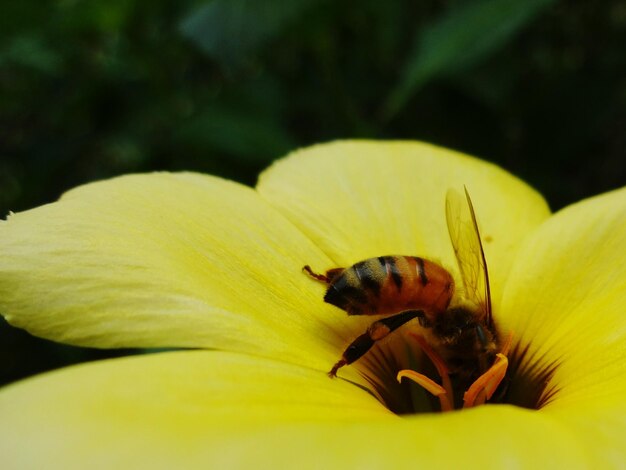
<point>468,249</point>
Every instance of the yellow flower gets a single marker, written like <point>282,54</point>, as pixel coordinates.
<point>193,261</point>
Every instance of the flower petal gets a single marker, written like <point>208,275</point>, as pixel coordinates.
<point>178,260</point>
<point>359,200</point>
<point>144,409</point>
<point>604,425</point>
<point>220,410</point>
<point>565,299</point>
<point>486,437</point>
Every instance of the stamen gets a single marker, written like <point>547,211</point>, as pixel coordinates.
<point>426,383</point>
<point>382,366</point>
<point>444,392</point>
<point>442,369</point>
<point>485,386</point>
<point>479,392</point>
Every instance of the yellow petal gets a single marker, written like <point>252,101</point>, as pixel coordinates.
<point>604,425</point>
<point>158,260</point>
<point>153,410</point>
<point>359,200</point>
<point>484,438</point>
<point>566,299</point>
<point>220,410</point>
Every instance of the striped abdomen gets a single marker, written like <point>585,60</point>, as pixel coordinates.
<point>391,284</point>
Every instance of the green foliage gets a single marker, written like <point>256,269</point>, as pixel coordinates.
<point>230,30</point>
<point>464,36</point>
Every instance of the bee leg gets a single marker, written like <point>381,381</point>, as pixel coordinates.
<point>327,279</point>
<point>484,386</point>
<point>375,332</point>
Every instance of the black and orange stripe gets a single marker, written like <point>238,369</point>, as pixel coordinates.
<point>391,284</point>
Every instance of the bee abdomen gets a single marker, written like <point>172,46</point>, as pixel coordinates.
<point>391,284</point>
<point>357,289</point>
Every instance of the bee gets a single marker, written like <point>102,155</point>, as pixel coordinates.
<point>461,328</point>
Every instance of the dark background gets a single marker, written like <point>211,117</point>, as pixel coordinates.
<point>93,89</point>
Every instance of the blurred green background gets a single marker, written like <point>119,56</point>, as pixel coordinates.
<point>92,89</point>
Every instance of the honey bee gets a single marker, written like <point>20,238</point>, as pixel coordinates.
<point>461,329</point>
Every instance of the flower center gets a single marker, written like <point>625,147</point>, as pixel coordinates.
<point>430,386</point>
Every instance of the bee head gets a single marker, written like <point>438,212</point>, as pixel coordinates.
<point>455,325</point>
<point>459,327</point>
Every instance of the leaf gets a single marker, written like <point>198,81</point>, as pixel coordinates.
<point>244,134</point>
<point>463,37</point>
<point>32,51</point>
<point>229,30</point>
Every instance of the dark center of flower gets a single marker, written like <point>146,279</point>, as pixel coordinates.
<point>433,387</point>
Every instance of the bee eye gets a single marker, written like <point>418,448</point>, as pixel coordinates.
<point>480,333</point>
